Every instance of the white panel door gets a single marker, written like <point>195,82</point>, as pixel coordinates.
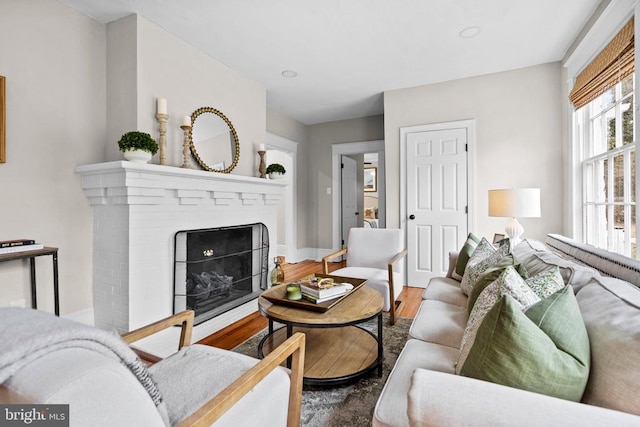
<point>436,177</point>
<point>349,197</point>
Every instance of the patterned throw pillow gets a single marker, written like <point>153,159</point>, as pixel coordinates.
<point>482,258</point>
<point>463,256</point>
<point>509,283</point>
<point>544,350</point>
<point>546,284</point>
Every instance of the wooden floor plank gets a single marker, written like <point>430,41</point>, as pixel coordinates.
<point>238,332</point>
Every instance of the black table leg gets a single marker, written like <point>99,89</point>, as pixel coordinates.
<point>380,347</point>
<point>289,333</point>
<point>34,297</point>
<point>56,295</point>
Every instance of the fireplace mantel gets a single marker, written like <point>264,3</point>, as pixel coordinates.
<point>137,209</point>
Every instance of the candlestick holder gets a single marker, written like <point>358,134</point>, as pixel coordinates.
<point>162,118</point>
<point>186,153</point>
<point>263,167</point>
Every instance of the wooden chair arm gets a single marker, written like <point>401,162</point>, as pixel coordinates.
<point>223,401</point>
<point>395,259</point>
<point>325,260</point>
<point>184,318</point>
<point>8,396</point>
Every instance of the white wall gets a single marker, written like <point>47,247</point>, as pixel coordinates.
<point>518,138</point>
<point>54,59</point>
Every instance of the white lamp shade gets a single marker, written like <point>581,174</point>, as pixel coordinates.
<point>515,203</point>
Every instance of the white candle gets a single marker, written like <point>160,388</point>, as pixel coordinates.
<point>261,147</point>
<point>186,121</point>
<point>162,106</point>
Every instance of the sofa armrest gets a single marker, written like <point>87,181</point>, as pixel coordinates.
<point>437,399</point>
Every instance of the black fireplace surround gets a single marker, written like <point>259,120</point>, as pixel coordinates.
<point>218,269</point>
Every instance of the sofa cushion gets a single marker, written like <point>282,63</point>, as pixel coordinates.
<point>445,290</point>
<point>509,283</point>
<point>195,374</point>
<point>391,408</point>
<point>611,311</point>
<point>463,256</point>
<point>453,260</point>
<point>439,323</point>
<point>537,259</point>
<point>482,258</point>
<point>544,350</point>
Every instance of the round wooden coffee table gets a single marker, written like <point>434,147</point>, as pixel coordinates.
<point>337,349</point>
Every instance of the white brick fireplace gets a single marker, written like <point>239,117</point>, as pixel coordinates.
<point>137,209</point>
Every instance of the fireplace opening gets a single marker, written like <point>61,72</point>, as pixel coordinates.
<point>218,269</point>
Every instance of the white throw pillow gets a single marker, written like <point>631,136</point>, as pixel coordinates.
<point>483,257</point>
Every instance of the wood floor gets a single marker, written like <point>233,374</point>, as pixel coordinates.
<point>237,333</point>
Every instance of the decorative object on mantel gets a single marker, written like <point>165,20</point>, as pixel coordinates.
<point>162,116</point>
<point>275,171</point>
<point>186,128</point>
<point>263,167</point>
<point>138,146</point>
<point>214,140</point>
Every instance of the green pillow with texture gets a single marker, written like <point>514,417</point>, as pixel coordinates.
<point>490,274</point>
<point>463,256</point>
<point>545,350</point>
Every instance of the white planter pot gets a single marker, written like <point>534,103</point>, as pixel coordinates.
<point>275,175</point>
<point>138,156</point>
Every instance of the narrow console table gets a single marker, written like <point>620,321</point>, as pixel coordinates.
<point>31,255</point>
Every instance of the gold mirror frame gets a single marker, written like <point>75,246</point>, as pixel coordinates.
<point>202,163</point>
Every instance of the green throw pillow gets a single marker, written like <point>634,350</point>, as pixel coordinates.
<point>544,350</point>
<point>491,274</point>
<point>463,256</point>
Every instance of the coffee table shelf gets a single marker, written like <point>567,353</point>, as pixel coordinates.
<point>338,349</point>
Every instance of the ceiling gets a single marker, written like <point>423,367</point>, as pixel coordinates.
<point>346,53</point>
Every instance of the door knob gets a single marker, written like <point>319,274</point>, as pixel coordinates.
<point>412,217</point>
<point>357,213</point>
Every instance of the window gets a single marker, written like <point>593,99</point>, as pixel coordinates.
<point>606,134</point>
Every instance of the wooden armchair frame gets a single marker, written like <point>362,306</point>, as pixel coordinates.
<point>394,304</point>
<point>223,401</point>
<point>211,411</point>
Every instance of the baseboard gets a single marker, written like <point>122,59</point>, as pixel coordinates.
<point>82,316</point>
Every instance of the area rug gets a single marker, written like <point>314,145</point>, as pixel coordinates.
<point>347,405</point>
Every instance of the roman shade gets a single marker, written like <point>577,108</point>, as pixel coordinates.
<point>612,65</point>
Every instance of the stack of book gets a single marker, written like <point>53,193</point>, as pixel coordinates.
<point>321,291</point>
<point>21,245</point>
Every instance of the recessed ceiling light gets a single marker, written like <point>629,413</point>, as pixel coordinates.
<point>289,74</point>
<point>469,32</point>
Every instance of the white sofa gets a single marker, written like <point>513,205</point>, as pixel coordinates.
<point>423,389</point>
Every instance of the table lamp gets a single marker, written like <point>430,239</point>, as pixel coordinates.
<point>514,203</point>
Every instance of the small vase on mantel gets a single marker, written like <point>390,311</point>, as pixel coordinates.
<point>275,175</point>
<point>138,156</point>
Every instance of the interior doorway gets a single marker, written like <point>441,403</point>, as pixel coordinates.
<point>357,150</point>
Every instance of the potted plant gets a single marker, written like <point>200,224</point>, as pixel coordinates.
<point>138,146</point>
<point>275,171</point>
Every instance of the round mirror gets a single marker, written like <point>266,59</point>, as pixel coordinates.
<point>214,141</point>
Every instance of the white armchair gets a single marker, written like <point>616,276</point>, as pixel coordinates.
<point>104,383</point>
<point>374,254</point>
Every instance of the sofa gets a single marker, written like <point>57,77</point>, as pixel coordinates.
<point>423,388</point>
<point>48,360</point>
